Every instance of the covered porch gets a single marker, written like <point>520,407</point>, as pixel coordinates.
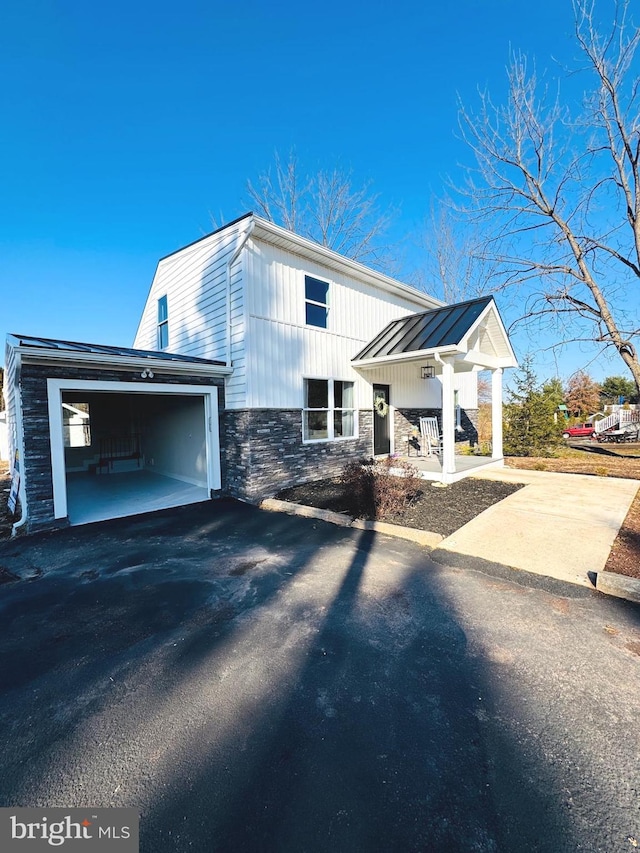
<point>430,363</point>
<point>430,467</point>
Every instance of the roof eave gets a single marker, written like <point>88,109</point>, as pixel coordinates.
<point>416,355</point>
<point>266,229</point>
<point>40,355</point>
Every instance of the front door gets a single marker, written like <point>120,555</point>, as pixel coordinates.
<point>381,421</point>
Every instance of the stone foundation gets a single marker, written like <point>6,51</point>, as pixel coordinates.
<point>405,420</point>
<point>265,452</point>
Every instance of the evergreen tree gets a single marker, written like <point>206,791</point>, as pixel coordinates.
<point>529,427</point>
<point>615,387</point>
<point>553,389</point>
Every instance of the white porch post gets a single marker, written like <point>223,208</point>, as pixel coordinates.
<point>496,413</point>
<point>448,420</point>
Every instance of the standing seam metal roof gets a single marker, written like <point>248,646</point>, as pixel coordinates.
<point>440,327</point>
<point>103,349</point>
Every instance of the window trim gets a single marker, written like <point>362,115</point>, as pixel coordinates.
<point>163,324</point>
<point>314,302</point>
<point>330,410</point>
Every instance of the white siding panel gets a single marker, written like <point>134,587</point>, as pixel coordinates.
<point>408,390</point>
<point>467,386</point>
<point>194,282</point>
<point>12,402</point>
<point>282,349</point>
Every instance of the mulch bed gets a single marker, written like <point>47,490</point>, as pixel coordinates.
<point>440,510</point>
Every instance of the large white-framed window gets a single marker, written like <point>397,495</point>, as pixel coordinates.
<point>329,412</point>
<point>163,323</point>
<point>316,301</point>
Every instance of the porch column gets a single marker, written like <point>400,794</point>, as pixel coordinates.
<point>448,419</point>
<point>496,413</point>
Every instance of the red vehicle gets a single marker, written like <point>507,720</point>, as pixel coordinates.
<point>579,431</point>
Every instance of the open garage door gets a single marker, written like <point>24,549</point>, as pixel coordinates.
<point>122,451</point>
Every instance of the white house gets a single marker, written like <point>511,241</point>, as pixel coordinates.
<point>261,360</point>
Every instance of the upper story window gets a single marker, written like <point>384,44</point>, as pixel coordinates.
<point>163,323</point>
<point>316,301</point>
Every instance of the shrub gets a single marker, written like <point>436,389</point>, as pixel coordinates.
<point>375,492</point>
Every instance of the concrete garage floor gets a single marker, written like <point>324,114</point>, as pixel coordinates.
<point>259,682</point>
<point>95,498</point>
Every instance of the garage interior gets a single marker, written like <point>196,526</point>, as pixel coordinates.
<point>129,453</point>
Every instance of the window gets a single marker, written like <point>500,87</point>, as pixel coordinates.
<point>316,304</point>
<point>163,323</point>
<point>76,425</point>
<point>329,411</point>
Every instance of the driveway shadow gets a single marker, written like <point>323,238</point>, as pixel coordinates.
<point>256,682</point>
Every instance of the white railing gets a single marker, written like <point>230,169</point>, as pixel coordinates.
<point>607,423</point>
<point>629,416</point>
<point>621,417</point>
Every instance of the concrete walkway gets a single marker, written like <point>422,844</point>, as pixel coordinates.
<point>559,525</point>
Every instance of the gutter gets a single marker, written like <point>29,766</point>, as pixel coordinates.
<point>405,357</point>
<point>20,440</point>
<point>230,263</point>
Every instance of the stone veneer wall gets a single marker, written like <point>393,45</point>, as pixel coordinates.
<point>404,420</point>
<point>265,452</point>
<point>35,412</point>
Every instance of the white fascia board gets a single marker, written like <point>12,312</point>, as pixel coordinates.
<point>403,357</point>
<point>37,355</point>
<point>265,230</point>
<point>484,361</point>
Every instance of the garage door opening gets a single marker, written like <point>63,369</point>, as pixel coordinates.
<point>128,453</point>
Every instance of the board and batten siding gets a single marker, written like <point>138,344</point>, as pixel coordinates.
<point>194,281</point>
<point>410,391</point>
<point>282,349</point>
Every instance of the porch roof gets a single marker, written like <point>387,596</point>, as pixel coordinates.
<point>472,330</point>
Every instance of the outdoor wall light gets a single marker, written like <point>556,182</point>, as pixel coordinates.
<point>147,374</point>
<point>428,371</point>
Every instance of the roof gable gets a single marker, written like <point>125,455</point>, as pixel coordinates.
<point>473,326</point>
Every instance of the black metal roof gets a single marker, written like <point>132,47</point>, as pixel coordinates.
<point>103,349</point>
<point>440,327</point>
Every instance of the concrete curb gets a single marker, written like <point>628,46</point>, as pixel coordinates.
<point>621,586</point>
<point>422,537</point>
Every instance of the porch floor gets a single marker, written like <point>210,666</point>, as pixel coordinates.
<point>98,498</point>
<point>430,467</point>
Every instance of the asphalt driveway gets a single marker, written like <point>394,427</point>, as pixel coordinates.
<point>259,682</point>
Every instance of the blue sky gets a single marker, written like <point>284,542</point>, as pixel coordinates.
<point>127,125</point>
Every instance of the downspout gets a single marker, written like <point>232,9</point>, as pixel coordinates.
<point>20,442</point>
<point>230,263</point>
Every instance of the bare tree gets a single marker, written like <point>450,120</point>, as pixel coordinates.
<point>561,193</point>
<point>455,263</point>
<point>325,207</point>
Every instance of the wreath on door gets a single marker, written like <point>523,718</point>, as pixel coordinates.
<point>381,407</point>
